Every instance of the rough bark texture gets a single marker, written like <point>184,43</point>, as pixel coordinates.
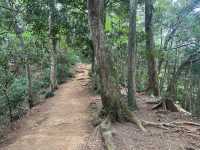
<point>152,71</point>
<point>109,92</point>
<point>131,55</point>
<point>113,107</point>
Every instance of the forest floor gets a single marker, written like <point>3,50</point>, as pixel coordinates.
<point>64,122</point>
<point>60,123</point>
<point>181,137</point>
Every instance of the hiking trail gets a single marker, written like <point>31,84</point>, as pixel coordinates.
<point>60,123</point>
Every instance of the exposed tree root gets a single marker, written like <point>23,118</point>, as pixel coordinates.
<point>167,126</point>
<point>134,119</point>
<point>164,126</point>
<point>186,123</point>
<point>107,134</point>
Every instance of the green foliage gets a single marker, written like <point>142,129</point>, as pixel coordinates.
<point>72,57</point>
<point>17,91</point>
<point>45,80</point>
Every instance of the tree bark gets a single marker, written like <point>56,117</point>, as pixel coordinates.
<point>30,92</point>
<point>131,55</point>
<point>110,94</point>
<point>152,71</point>
<point>52,45</point>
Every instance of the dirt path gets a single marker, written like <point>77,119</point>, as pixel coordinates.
<point>61,123</point>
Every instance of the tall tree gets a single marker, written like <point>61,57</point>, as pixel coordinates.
<point>109,93</point>
<point>152,71</point>
<point>52,43</point>
<point>113,106</point>
<point>131,55</point>
<point>95,8</point>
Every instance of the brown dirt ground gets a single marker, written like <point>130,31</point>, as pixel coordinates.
<point>61,123</point>
<point>128,137</point>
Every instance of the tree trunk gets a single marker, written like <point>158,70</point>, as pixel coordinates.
<point>52,45</point>
<point>152,71</point>
<point>131,55</point>
<point>30,92</point>
<point>53,78</point>
<point>110,94</point>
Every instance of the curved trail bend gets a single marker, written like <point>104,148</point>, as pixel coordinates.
<point>61,123</point>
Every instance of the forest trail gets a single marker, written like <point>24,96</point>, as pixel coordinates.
<point>61,123</point>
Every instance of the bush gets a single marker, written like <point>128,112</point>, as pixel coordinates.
<point>71,57</point>
<point>45,80</point>
<point>17,91</point>
<point>18,96</point>
<point>64,65</point>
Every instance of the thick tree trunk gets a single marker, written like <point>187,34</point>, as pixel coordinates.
<point>131,55</point>
<point>113,107</point>
<point>96,25</point>
<point>152,71</point>
<point>109,92</point>
<point>93,56</point>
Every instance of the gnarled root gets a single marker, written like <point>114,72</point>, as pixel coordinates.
<point>134,119</point>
